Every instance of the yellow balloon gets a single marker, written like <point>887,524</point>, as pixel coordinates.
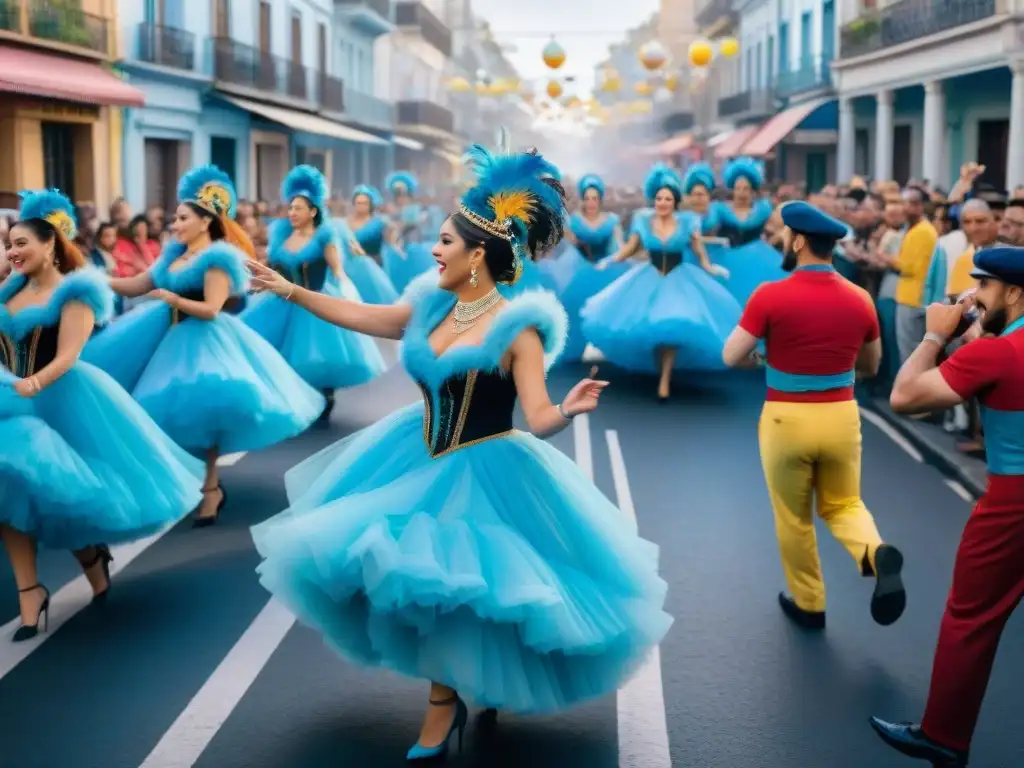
<point>459,85</point>
<point>672,83</point>
<point>644,89</point>
<point>554,89</point>
<point>700,53</point>
<point>729,47</point>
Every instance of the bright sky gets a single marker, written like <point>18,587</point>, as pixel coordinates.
<point>584,28</point>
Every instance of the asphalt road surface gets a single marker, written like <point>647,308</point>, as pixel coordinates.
<point>189,664</point>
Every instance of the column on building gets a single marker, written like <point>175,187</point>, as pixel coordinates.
<point>934,132</point>
<point>883,136</point>
<point>1015,158</point>
<point>845,157</point>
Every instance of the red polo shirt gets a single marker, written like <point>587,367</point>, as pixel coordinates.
<point>813,323</point>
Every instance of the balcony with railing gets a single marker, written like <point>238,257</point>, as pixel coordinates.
<point>711,11</point>
<point>907,20</point>
<point>331,94</point>
<point>416,16</point>
<point>810,75</point>
<point>426,113</point>
<point>368,110</point>
<point>56,24</point>
<point>166,46</point>
<point>747,105</point>
<point>372,17</point>
<point>242,66</point>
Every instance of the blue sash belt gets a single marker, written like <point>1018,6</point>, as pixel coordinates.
<point>806,382</point>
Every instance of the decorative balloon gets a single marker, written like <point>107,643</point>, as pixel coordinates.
<point>729,47</point>
<point>459,85</point>
<point>653,56</point>
<point>700,53</point>
<point>612,82</point>
<point>672,83</point>
<point>644,88</point>
<point>553,55</point>
<point>554,89</point>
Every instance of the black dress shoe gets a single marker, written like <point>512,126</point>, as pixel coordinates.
<point>890,598</point>
<point>909,739</point>
<point>806,619</point>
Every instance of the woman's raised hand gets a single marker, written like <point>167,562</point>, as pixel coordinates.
<point>266,279</point>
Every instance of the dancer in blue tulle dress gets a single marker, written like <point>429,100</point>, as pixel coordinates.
<point>410,257</point>
<point>368,240</point>
<point>441,542</point>
<point>673,312</point>
<point>304,247</point>
<point>592,237</point>
<point>211,382</point>
<point>81,464</point>
<point>749,259</point>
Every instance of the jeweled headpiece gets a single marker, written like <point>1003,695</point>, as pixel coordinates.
<point>210,188</point>
<point>514,196</point>
<point>52,207</point>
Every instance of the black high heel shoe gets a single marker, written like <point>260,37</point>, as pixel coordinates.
<point>206,522</point>
<point>104,558</point>
<point>28,631</point>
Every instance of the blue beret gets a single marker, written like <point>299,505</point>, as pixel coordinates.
<point>804,218</point>
<point>1004,263</point>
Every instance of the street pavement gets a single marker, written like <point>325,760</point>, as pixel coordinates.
<point>190,664</point>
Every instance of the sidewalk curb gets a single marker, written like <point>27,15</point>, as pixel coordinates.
<point>932,455</point>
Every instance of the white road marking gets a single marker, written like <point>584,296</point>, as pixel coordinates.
<point>961,491</point>
<point>230,459</point>
<point>643,726</point>
<point>581,444</point>
<point>196,726</point>
<point>889,431</point>
<point>65,603</point>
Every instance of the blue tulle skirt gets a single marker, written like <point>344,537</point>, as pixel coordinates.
<point>370,280</point>
<point>578,280</point>
<point>499,569</point>
<point>749,266</point>
<point>402,270</point>
<point>83,464</point>
<point>641,312</point>
<point>208,384</point>
<point>324,355</point>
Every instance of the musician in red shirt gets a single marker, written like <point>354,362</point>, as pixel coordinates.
<point>988,579</point>
<point>820,331</point>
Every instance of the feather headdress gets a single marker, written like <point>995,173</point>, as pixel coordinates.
<point>306,181</point>
<point>371,193</point>
<point>401,182</point>
<point>518,198</point>
<point>590,181</point>
<point>210,188</point>
<point>698,175</point>
<point>661,177</point>
<point>50,206</point>
<point>744,168</point>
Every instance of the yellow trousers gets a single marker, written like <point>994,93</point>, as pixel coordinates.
<point>813,450</point>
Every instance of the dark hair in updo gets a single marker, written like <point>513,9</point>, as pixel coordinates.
<point>216,225</point>
<point>677,196</point>
<point>68,256</point>
<point>546,229</point>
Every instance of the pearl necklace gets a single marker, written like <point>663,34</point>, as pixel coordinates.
<point>467,313</point>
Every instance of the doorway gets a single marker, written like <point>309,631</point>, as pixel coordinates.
<point>993,143</point>
<point>901,153</point>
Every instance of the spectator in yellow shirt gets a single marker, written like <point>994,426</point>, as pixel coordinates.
<point>979,224</point>
<point>912,263</point>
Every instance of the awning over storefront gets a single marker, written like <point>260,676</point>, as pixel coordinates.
<point>779,127</point>
<point>673,146</point>
<point>303,121</point>
<point>57,77</point>
<point>446,154</point>
<point>732,143</point>
<point>405,143</point>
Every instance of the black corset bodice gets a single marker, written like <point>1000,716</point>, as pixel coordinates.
<point>469,408</point>
<point>31,353</point>
<point>311,274</point>
<point>738,236</point>
<point>232,306</point>
<point>665,261</point>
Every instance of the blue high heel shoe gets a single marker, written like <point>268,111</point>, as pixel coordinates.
<point>418,752</point>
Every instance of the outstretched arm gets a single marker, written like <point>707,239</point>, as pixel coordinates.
<point>131,287</point>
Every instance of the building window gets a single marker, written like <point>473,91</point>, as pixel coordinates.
<point>296,37</point>
<point>59,157</point>
<point>222,18</point>
<point>163,167</point>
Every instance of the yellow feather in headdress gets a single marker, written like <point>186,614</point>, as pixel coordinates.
<point>512,205</point>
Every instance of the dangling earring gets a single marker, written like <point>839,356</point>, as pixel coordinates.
<point>473,280</point>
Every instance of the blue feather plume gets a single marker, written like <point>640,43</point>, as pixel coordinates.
<point>194,181</point>
<point>44,203</point>
<point>698,175</point>
<point>662,177</point>
<point>744,168</point>
<point>590,181</point>
<point>306,181</point>
<point>376,198</point>
<point>401,179</point>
